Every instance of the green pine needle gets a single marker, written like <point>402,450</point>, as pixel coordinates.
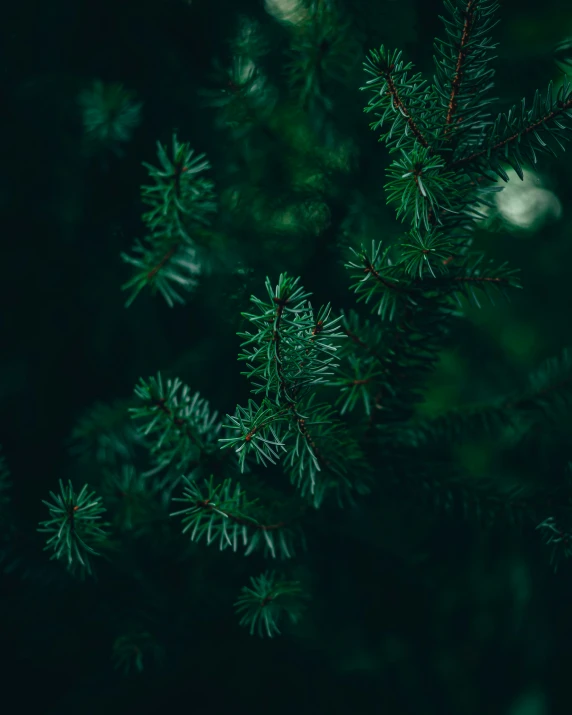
<point>75,526</point>
<point>269,600</point>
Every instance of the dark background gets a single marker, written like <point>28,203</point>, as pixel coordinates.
<point>483,625</point>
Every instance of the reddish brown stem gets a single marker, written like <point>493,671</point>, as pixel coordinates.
<point>178,422</point>
<point>458,76</point>
<point>388,284</point>
<point>546,118</point>
<point>241,520</point>
<point>358,341</point>
<point>170,253</point>
<point>400,106</point>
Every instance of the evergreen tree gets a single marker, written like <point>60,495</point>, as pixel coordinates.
<point>334,393</point>
<point>333,430</point>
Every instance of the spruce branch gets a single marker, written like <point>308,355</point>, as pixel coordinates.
<point>451,154</point>
<point>75,526</point>
<point>257,428</point>
<point>292,348</point>
<point>423,253</point>
<point>243,97</point>
<point>356,382</point>
<point>400,100</point>
<point>417,314</point>
<point>182,202</point>
<point>420,185</point>
<point>459,66</point>
<point>378,280</point>
<point>363,335</point>
<point>110,115</point>
<point>364,364</point>
<point>222,512</point>
<point>181,425</point>
<point>473,274</point>
<point>323,48</point>
<point>289,355</point>
<point>267,601</point>
<point>463,73</point>
<point>324,456</point>
<point>517,136</point>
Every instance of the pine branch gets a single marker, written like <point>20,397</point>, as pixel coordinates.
<point>286,330</point>
<point>181,204</point>
<point>257,427</point>
<point>473,274</point>
<point>323,49</point>
<point>75,527</point>
<point>243,97</point>
<point>420,185</point>
<point>378,280</point>
<point>110,115</point>
<point>463,76</point>
<point>362,370</point>
<point>182,427</point>
<point>223,513</point>
<point>458,75</point>
<point>517,136</point>
<point>289,355</point>
<point>325,457</point>
<point>426,253</point>
<point>349,322</point>
<point>399,99</point>
<point>267,601</point>
<point>451,154</point>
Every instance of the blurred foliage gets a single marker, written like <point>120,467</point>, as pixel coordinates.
<point>110,115</point>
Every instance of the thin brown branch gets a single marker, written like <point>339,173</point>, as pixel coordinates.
<point>167,257</point>
<point>281,303</point>
<point>400,107</point>
<point>249,435</point>
<point>205,504</point>
<point>358,341</point>
<point>388,284</point>
<point>461,57</point>
<point>309,439</point>
<point>179,422</point>
<point>517,135</point>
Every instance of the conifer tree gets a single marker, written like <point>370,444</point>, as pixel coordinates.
<point>332,421</point>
